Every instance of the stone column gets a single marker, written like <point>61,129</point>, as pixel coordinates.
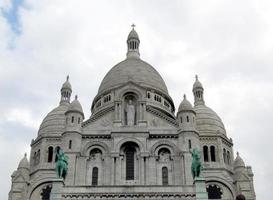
<point>113,170</point>
<point>142,110</point>
<point>187,161</point>
<point>177,170</point>
<point>142,173</point>
<point>200,188</point>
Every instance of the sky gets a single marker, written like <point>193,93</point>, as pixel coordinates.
<point>229,44</point>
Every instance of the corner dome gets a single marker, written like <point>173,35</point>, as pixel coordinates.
<point>207,121</point>
<point>75,106</point>
<point>185,105</point>
<point>238,162</point>
<point>24,163</point>
<point>135,70</point>
<point>54,122</point>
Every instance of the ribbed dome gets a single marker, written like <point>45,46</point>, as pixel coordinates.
<point>24,163</point>
<point>238,162</point>
<point>208,121</point>
<point>133,35</point>
<point>197,83</point>
<point>67,84</point>
<point>75,106</point>
<point>185,105</point>
<point>54,122</point>
<point>135,70</point>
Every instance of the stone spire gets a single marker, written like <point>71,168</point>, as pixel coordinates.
<point>133,44</point>
<point>66,91</point>
<point>198,92</point>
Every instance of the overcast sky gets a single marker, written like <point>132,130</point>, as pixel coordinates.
<point>229,44</point>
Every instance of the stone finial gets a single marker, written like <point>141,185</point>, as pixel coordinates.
<point>25,155</point>
<point>76,97</point>
<point>67,78</point>
<point>184,96</point>
<point>196,77</point>
<point>133,25</point>
<point>237,153</point>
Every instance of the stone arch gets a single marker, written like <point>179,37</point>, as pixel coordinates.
<point>35,186</point>
<point>130,139</point>
<point>164,144</point>
<point>130,89</point>
<point>221,182</point>
<point>92,145</point>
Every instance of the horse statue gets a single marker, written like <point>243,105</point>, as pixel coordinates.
<point>196,165</point>
<point>61,164</point>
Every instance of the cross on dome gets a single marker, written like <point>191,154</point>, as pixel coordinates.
<point>133,25</point>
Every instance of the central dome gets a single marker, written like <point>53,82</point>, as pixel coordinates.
<point>135,70</point>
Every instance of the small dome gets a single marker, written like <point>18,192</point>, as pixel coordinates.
<point>75,106</point>
<point>133,35</point>
<point>135,70</point>
<point>207,121</point>
<point>238,162</point>
<point>54,122</point>
<point>185,105</point>
<point>24,163</point>
<point>67,84</point>
<point>197,83</point>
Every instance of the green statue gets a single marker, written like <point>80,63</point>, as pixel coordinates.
<point>196,165</point>
<point>61,164</point>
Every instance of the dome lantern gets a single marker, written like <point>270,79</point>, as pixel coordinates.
<point>66,91</point>
<point>133,44</point>
<point>198,92</point>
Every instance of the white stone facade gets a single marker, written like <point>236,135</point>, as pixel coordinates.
<point>136,153</point>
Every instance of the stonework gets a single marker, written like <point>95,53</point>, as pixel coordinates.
<point>133,146</point>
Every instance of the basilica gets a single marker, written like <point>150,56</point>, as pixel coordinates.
<point>135,144</point>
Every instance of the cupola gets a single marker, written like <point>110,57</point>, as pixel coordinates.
<point>66,91</point>
<point>198,91</point>
<point>133,44</point>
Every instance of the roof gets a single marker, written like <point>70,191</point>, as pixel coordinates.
<point>238,162</point>
<point>67,84</point>
<point>133,35</point>
<point>207,121</point>
<point>75,106</point>
<point>135,70</point>
<point>54,122</point>
<point>24,163</point>
<point>185,105</point>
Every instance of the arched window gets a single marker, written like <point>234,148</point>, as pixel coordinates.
<point>181,120</point>
<point>189,144</point>
<point>212,153</point>
<point>188,119</point>
<point>95,176</point>
<point>205,153</point>
<point>70,144</point>
<point>72,119</point>
<point>79,120</point>
<point>130,164</point>
<point>228,157</point>
<point>165,176</point>
<point>224,155</point>
<point>50,154</point>
<point>214,192</point>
